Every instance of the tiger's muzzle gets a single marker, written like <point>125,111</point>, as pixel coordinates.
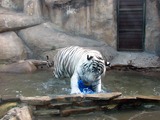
<point>97,68</point>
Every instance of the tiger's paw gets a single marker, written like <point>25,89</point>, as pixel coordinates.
<point>76,91</point>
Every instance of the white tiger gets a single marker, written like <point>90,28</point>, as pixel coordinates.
<point>80,63</point>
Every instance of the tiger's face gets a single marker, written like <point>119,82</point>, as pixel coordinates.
<point>93,68</point>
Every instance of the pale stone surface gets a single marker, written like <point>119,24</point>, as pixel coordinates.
<point>50,2</point>
<point>38,100</point>
<point>19,67</point>
<point>152,41</point>
<point>33,7</point>
<point>11,47</point>
<point>139,59</point>
<point>44,38</point>
<point>10,20</point>
<point>94,18</point>
<point>12,4</point>
<point>18,113</point>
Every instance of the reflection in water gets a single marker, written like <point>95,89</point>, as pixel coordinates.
<point>129,83</point>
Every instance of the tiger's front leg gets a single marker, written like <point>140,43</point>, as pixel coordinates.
<point>74,84</point>
<point>97,86</point>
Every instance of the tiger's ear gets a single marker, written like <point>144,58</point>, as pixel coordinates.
<point>107,63</point>
<point>89,57</point>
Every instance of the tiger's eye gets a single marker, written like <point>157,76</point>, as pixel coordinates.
<point>100,58</point>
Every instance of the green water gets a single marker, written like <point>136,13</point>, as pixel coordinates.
<point>43,83</point>
<point>35,84</point>
<point>133,83</point>
<point>128,82</point>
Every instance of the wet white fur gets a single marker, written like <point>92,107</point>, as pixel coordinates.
<point>65,66</point>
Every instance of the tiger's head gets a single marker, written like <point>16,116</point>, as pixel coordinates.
<point>93,68</point>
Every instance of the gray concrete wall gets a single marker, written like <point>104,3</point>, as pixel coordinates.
<point>92,18</point>
<point>152,38</point>
<point>97,19</point>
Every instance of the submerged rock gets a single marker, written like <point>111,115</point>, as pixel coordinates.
<point>146,116</point>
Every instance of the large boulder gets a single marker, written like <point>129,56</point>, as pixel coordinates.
<point>11,47</point>
<point>10,20</point>
<point>45,37</point>
<point>18,67</point>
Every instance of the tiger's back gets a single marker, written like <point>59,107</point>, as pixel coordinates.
<point>66,60</point>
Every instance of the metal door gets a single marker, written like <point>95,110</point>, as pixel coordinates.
<point>130,24</point>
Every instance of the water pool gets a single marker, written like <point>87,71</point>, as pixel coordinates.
<point>42,83</point>
<point>128,82</point>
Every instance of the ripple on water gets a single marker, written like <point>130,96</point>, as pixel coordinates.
<point>43,83</point>
<point>129,83</point>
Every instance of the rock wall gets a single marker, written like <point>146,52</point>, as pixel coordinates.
<point>91,18</point>
<point>11,47</point>
<point>152,40</point>
<point>42,26</point>
<point>97,19</point>
<point>16,5</point>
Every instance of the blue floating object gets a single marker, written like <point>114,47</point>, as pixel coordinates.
<point>85,89</point>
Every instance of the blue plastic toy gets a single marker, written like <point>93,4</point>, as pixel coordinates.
<point>85,89</point>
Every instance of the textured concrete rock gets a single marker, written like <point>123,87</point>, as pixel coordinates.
<point>50,2</point>
<point>108,52</point>
<point>152,41</point>
<point>17,113</point>
<point>38,100</point>
<point>19,67</point>
<point>139,59</point>
<point>11,47</point>
<point>12,4</point>
<point>10,20</point>
<point>44,37</point>
<point>33,7</point>
<point>95,18</point>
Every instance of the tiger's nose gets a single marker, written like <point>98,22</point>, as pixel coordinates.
<point>94,68</point>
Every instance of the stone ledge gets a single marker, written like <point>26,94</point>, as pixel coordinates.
<point>65,105</point>
<point>9,98</point>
